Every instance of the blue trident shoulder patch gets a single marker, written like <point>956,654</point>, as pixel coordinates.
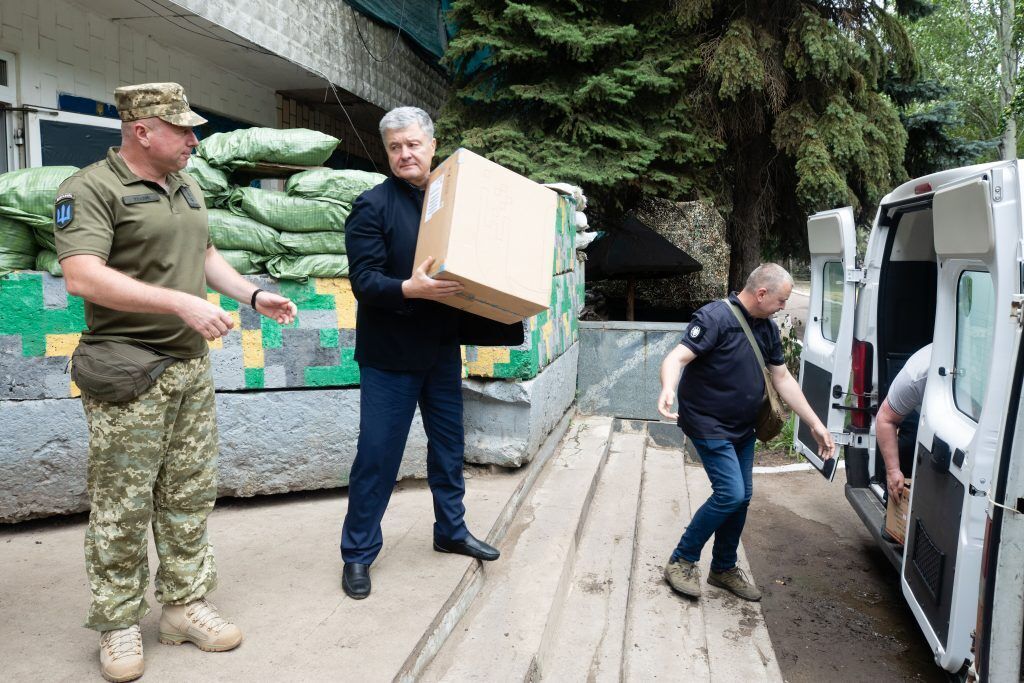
<point>64,211</point>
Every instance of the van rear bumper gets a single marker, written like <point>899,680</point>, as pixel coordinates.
<point>872,514</point>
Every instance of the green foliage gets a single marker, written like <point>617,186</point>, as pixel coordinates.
<point>783,443</point>
<point>590,93</point>
<point>772,109</point>
<point>956,45</point>
<point>932,121</point>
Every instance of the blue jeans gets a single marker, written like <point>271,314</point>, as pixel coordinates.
<point>730,467</point>
<point>387,401</point>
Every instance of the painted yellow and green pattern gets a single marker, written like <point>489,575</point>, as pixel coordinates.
<point>40,325</point>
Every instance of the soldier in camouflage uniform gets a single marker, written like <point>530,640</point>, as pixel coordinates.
<point>133,240</point>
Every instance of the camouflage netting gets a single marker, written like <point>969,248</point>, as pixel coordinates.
<point>698,229</point>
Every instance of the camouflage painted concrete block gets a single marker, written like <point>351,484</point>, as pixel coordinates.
<point>548,335</point>
<point>40,325</point>
<point>565,236</point>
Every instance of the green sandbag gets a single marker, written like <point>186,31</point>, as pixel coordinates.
<point>43,235</point>
<point>9,262</point>
<point>326,183</point>
<point>28,194</point>
<point>246,146</point>
<point>313,242</point>
<point>213,181</point>
<point>302,267</point>
<point>47,260</point>
<point>245,262</point>
<point>229,231</point>
<point>16,238</point>
<point>288,214</point>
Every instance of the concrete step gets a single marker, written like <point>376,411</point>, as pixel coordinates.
<point>665,638</point>
<point>585,642</point>
<point>738,645</point>
<point>500,636</point>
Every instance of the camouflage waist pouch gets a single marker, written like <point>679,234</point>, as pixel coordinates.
<point>116,371</point>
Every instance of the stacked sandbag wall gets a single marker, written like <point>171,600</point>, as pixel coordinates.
<point>290,235</point>
<point>26,218</point>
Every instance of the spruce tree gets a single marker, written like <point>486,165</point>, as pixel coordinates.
<point>594,93</point>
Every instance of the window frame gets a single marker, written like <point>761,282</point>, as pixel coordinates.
<point>956,343</point>
<point>825,280</point>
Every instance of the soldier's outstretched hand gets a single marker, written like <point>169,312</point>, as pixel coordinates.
<point>207,319</point>
<point>280,308</point>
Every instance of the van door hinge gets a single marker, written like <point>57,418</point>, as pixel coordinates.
<point>852,440</point>
<point>1017,308</point>
<point>855,275</point>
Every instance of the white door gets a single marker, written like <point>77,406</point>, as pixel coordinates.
<point>977,230</point>
<point>828,335</point>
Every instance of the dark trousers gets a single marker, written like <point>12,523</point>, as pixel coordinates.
<point>730,467</point>
<point>387,401</point>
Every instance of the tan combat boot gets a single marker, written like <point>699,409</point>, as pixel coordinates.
<point>684,577</point>
<point>199,623</point>
<point>736,582</point>
<point>121,654</point>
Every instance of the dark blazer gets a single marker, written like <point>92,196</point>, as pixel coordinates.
<point>392,332</point>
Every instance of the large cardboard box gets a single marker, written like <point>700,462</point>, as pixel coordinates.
<point>897,514</point>
<point>492,230</point>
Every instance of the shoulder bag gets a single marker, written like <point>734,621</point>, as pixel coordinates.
<point>771,417</point>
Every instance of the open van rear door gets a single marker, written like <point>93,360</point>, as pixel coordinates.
<point>828,334</point>
<point>966,405</point>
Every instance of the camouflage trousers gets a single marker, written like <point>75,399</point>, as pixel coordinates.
<point>153,459</point>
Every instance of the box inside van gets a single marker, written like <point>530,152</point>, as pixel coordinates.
<point>942,266</point>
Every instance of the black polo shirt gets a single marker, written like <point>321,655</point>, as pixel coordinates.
<point>721,390</point>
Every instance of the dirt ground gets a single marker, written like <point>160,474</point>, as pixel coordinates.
<point>832,601</point>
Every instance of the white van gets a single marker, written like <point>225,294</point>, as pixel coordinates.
<point>944,265</point>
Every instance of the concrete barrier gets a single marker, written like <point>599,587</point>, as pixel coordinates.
<point>619,367</point>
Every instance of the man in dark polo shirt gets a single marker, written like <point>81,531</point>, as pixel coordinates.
<point>133,240</point>
<point>720,394</point>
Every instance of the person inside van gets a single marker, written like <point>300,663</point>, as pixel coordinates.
<point>896,422</point>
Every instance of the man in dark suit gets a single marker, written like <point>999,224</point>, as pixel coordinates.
<point>407,347</point>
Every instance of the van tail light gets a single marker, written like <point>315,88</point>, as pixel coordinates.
<point>861,418</point>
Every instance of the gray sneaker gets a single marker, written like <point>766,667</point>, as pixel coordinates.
<point>736,582</point>
<point>683,577</point>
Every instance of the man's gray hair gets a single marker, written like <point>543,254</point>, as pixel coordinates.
<point>403,117</point>
<point>770,276</point>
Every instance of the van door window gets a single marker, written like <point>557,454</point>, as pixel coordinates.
<point>975,320</point>
<point>832,300</point>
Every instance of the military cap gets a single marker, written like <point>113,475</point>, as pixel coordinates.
<point>163,100</point>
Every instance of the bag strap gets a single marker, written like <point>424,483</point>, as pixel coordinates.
<point>746,330</point>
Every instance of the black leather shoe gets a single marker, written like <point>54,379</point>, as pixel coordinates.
<point>468,546</point>
<point>355,580</point>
